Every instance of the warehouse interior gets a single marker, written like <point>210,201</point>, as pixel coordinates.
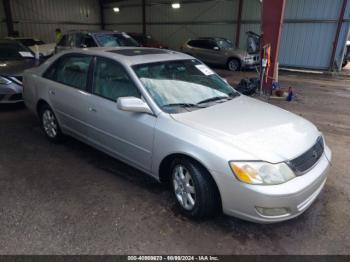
<point>70,198</point>
<point>306,23</point>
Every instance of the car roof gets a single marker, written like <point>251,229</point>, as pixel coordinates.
<point>93,32</point>
<point>21,38</point>
<point>133,55</point>
<point>211,38</point>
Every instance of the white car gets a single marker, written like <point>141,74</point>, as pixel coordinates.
<point>171,116</point>
<point>45,50</point>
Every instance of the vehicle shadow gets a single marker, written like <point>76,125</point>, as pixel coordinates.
<point>12,107</point>
<point>114,166</point>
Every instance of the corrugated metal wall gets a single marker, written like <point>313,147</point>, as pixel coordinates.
<point>307,37</point>
<point>212,18</point>
<point>174,26</point>
<point>3,28</point>
<point>308,33</point>
<point>343,37</point>
<point>40,18</point>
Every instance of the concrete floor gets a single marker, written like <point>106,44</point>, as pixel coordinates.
<point>72,199</point>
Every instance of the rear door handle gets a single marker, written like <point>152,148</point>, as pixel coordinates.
<point>52,92</point>
<point>91,109</point>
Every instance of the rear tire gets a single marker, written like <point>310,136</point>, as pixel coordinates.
<point>49,124</point>
<point>234,65</point>
<point>194,190</point>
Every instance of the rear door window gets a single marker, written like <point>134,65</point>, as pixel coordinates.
<point>206,44</point>
<point>71,70</point>
<point>194,43</point>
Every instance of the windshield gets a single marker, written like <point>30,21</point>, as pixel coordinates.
<point>14,51</point>
<point>224,43</point>
<point>113,40</point>
<point>183,85</point>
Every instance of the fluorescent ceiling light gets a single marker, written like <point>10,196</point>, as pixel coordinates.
<point>175,5</point>
<point>116,9</point>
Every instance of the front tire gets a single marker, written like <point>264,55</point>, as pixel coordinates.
<point>234,65</point>
<point>49,124</point>
<point>194,190</point>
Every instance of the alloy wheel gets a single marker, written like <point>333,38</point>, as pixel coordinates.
<point>233,65</point>
<point>49,123</point>
<point>184,187</point>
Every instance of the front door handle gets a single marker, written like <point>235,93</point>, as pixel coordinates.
<point>91,109</point>
<point>52,92</point>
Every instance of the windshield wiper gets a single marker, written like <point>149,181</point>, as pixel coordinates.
<point>183,105</point>
<point>234,94</point>
<point>215,98</point>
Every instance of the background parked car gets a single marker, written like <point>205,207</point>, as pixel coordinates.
<point>147,40</point>
<point>83,39</point>
<point>347,54</point>
<point>14,59</point>
<point>220,51</point>
<point>45,50</point>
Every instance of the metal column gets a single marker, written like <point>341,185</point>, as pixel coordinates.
<point>239,21</point>
<point>8,14</point>
<point>144,17</point>
<point>337,33</point>
<point>102,15</point>
<point>272,21</point>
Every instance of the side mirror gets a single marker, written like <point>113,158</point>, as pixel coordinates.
<point>133,104</point>
<point>83,46</point>
<point>216,48</point>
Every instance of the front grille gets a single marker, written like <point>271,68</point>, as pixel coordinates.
<point>307,160</point>
<point>16,97</point>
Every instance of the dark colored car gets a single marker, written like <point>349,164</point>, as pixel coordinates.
<point>14,59</point>
<point>85,39</point>
<point>147,40</point>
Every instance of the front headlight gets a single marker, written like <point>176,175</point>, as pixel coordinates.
<point>4,81</point>
<point>249,58</point>
<point>262,173</point>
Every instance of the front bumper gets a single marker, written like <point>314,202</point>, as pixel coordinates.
<point>241,200</point>
<point>11,94</point>
<point>251,61</point>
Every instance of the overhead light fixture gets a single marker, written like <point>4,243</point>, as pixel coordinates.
<point>116,9</point>
<point>175,5</point>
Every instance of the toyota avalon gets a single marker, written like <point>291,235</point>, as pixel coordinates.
<point>172,117</point>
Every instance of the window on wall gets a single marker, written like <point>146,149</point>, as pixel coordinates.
<point>111,81</point>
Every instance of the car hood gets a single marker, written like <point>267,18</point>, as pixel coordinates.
<point>262,131</point>
<point>45,49</point>
<point>16,67</point>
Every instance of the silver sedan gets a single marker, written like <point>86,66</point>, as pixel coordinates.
<point>172,117</point>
